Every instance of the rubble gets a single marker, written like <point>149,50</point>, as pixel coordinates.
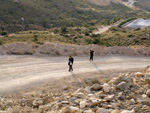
<point>127,93</point>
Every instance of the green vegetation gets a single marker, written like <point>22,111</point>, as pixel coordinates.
<point>4,33</point>
<point>127,20</point>
<point>59,13</point>
<point>126,37</point>
<point>143,4</point>
<point>81,36</point>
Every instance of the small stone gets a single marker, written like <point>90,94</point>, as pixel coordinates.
<point>144,101</point>
<point>81,90</point>
<point>132,100</point>
<point>44,108</point>
<point>88,111</point>
<point>147,81</point>
<point>102,110</point>
<point>88,89</point>
<point>115,111</point>
<point>94,102</point>
<point>106,88</point>
<point>96,87</point>
<point>82,104</point>
<point>147,69</point>
<point>122,86</point>
<point>37,103</point>
<point>64,87</point>
<point>74,109</point>
<point>109,98</point>
<point>115,105</point>
<point>127,111</point>
<point>79,95</point>
<point>139,74</point>
<point>148,92</point>
<point>66,110</point>
<point>64,102</point>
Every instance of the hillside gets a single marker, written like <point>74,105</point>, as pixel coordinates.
<point>51,13</point>
<point>144,4</point>
<point>83,36</point>
<point>103,2</point>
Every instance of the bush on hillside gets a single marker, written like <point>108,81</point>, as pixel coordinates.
<point>63,29</point>
<point>130,19</point>
<point>1,42</point>
<point>4,33</point>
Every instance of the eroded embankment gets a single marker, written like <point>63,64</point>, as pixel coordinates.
<point>65,50</point>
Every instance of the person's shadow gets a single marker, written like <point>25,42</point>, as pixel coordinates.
<point>74,77</point>
<point>96,66</point>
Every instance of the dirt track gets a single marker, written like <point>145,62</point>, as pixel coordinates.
<point>19,72</point>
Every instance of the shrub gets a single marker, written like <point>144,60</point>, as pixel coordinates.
<point>130,19</point>
<point>87,33</point>
<point>95,35</point>
<point>80,36</point>
<point>138,29</point>
<point>1,42</point>
<point>35,36</point>
<point>89,41</point>
<point>35,39</point>
<point>63,29</point>
<point>96,41</point>
<point>4,33</point>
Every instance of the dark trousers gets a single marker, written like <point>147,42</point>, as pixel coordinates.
<point>91,57</point>
<point>70,68</point>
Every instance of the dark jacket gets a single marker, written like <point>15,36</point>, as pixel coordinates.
<point>91,52</point>
<point>71,60</point>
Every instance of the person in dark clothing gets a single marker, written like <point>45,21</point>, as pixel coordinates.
<point>70,63</point>
<point>91,54</point>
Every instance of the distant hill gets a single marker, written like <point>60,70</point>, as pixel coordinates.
<point>51,13</point>
<point>144,4</point>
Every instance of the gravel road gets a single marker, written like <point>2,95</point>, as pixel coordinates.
<point>21,72</point>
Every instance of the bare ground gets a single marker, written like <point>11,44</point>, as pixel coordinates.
<point>22,73</point>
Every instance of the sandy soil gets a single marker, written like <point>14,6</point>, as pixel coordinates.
<point>102,30</point>
<point>23,72</point>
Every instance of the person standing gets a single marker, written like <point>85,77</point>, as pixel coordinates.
<point>70,63</point>
<point>91,54</point>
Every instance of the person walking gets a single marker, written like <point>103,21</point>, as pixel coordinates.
<point>70,63</point>
<point>91,54</point>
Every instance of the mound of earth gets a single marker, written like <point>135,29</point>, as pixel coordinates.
<point>53,49</point>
